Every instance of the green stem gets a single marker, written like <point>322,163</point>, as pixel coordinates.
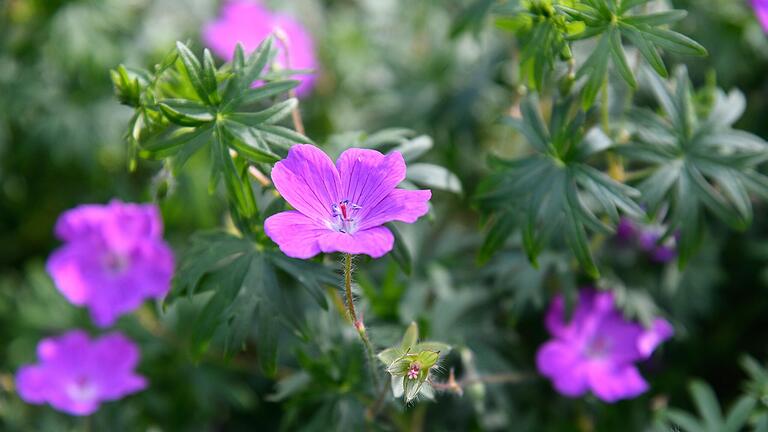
<point>348,287</point>
<point>615,164</point>
<point>357,322</point>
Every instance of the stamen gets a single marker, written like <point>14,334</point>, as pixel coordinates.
<point>413,371</point>
<point>343,212</point>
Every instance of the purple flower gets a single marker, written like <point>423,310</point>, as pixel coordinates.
<point>597,349</point>
<point>113,258</point>
<point>761,10</point>
<point>341,208</point>
<point>646,238</point>
<point>76,374</point>
<point>249,23</point>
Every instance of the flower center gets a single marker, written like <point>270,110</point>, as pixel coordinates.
<point>413,371</point>
<point>82,389</point>
<point>115,263</point>
<point>344,214</point>
<point>598,347</point>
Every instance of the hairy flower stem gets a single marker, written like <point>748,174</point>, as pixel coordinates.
<point>358,323</point>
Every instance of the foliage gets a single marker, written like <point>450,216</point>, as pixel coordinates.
<point>537,124</point>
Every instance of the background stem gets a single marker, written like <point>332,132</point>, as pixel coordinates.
<point>367,346</point>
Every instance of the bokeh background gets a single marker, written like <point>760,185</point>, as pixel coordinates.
<point>437,67</point>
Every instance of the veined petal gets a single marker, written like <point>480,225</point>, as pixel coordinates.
<point>296,234</point>
<point>309,182</point>
<point>374,242</point>
<point>368,177</point>
<point>400,205</point>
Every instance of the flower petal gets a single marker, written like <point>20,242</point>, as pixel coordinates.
<point>309,182</point>
<point>374,242</point>
<point>368,177</point>
<point>660,331</point>
<point>73,268</point>
<point>295,234</point>
<point>249,23</point>
<point>113,359</point>
<point>761,10</point>
<point>621,337</point>
<point>400,205</point>
<point>32,384</point>
<point>241,21</point>
<point>612,383</point>
<point>80,222</point>
<point>562,363</point>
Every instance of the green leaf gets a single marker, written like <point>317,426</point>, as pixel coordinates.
<point>259,93</point>
<point>596,70</point>
<point>411,388</point>
<point>414,148</point>
<point>685,421</point>
<point>433,176</point>
<point>168,144</point>
<point>673,41</point>
<point>427,359</point>
<point>538,135</point>
<point>310,275</point>
<point>248,142</point>
<point>500,229</point>
<point>620,59</point>
<point>400,252</point>
<point>410,337</point>
<point>226,284</point>
<point>706,404</point>
<point>271,115</point>
<point>438,347</point>
<point>185,112</point>
<point>263,276</point>
<point>577,238</point>
<point>399,367</point>
<point>556,194</point>
<point>389,355</point>
<point>194,71</point>
<point>282,136</point>
<point>739,414</point>
<point>657,18</point>
<point>647,50</point>
<point>237,183</point>
<point>209,77</point>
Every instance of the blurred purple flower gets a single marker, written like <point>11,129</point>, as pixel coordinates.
<point>597,350</point>
<point>646,238</point>
<point>75,374</point>
<point>341,208</point>
<point>761,10</point>
<point>113,258</point>
<point>249,23</point>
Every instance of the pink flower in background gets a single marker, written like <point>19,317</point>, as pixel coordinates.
<point>597,349</point>
<point>646,238</point>
<point>113,258</point>
<point>341,208</point>
<point>761,10</point>
<point>249,23</point>
<point>75,374</point>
